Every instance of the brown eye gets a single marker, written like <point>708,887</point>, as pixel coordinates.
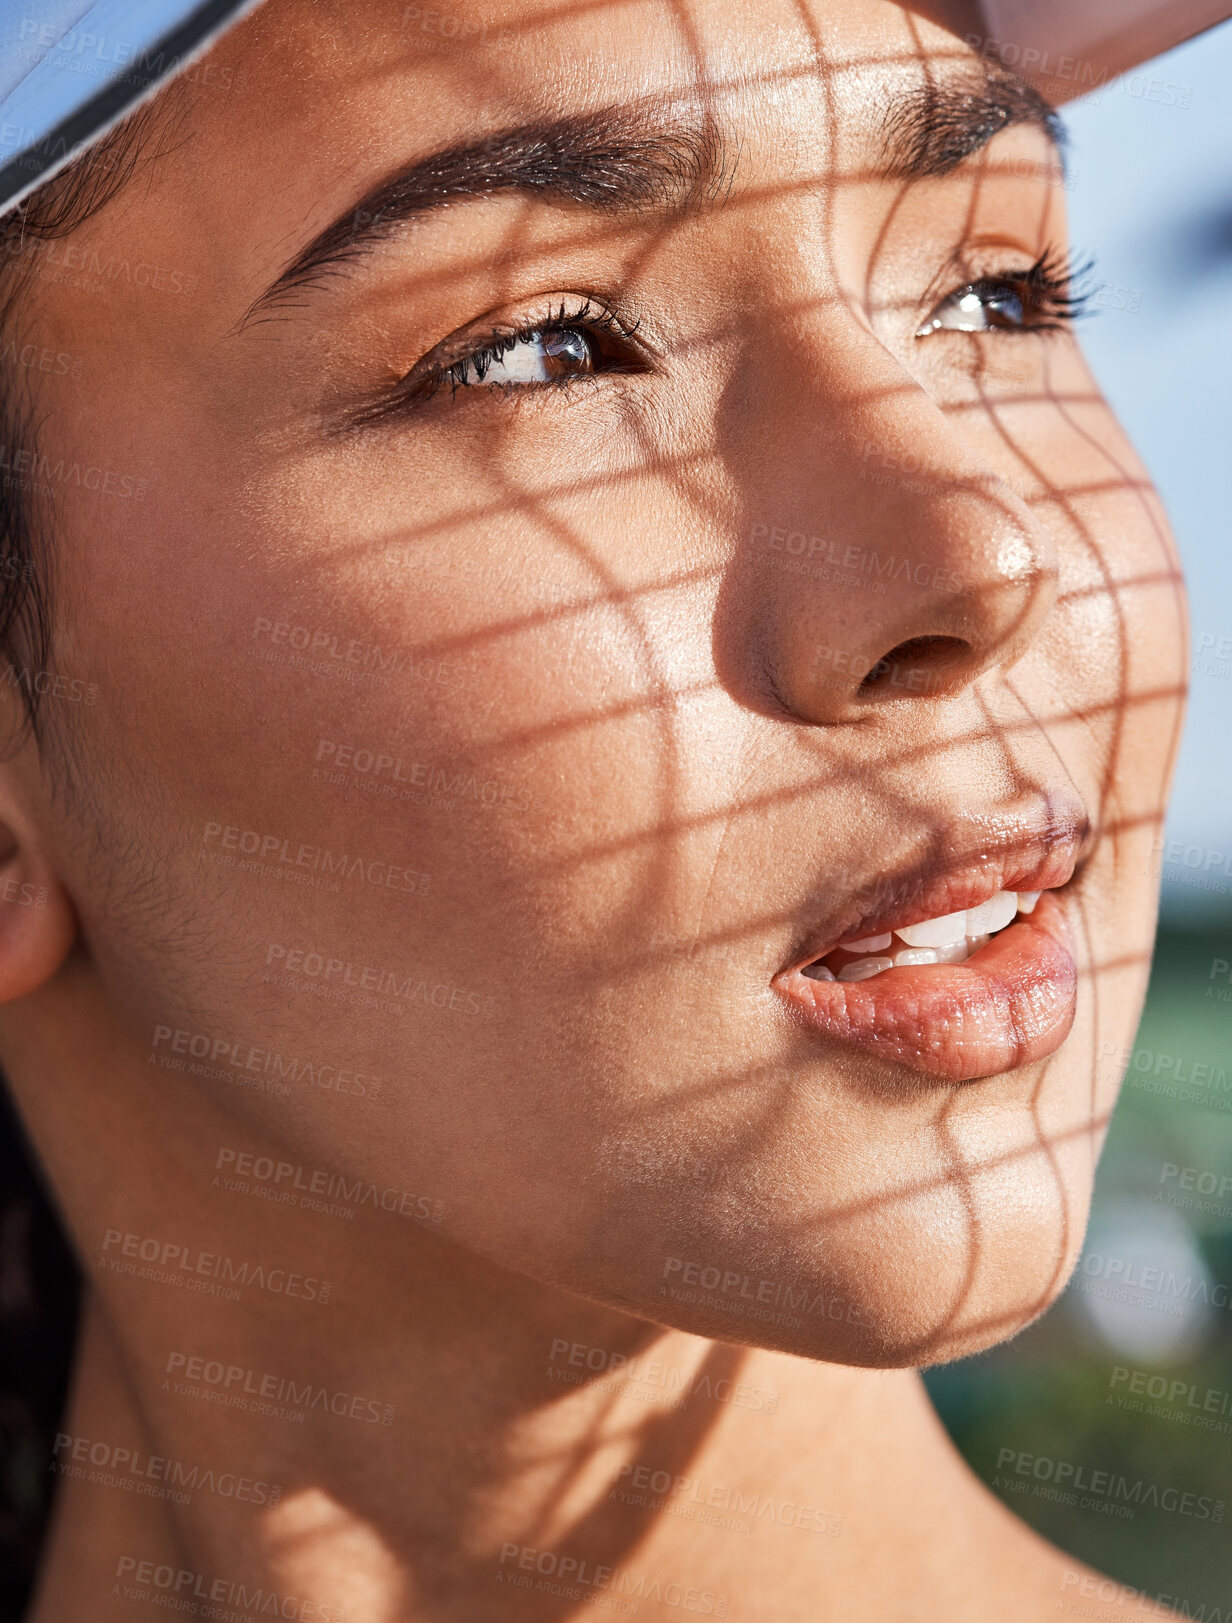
<point>981,307</point>
<point>1045,297</point>
<point>533,357</point>
<point>573,343</point>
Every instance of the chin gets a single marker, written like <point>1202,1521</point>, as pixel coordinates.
<point>957,1269</point>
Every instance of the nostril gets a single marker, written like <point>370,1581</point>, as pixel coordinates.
<point>919,665</point>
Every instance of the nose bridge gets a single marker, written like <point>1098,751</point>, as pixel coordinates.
<point>882,559</point>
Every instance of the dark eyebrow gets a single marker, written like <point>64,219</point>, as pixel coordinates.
<point>623,160</point>
<point>613,161</point>
<point>936,126</point>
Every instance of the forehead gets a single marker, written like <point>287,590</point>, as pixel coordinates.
<point>306,103</point>
<point>548,52</point>
<point>323,93</point>
<point>293,128</point>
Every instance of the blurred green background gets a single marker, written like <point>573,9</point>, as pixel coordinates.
<point>1150,196</point>
<point>1048,1392</point>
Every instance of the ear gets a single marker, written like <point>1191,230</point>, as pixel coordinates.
<point>38,923</point>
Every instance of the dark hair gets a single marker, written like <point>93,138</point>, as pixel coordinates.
<point>40,1287</point>
<point>40,1280</point>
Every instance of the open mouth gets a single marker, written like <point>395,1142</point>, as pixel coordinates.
<point>950,939</point>
<point>974,992</point>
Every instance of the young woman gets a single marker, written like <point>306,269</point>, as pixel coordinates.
<point>591,689</point>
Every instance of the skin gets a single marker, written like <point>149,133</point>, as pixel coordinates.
<point>587,617</point>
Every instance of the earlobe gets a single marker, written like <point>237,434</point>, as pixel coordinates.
<point>38,922</point>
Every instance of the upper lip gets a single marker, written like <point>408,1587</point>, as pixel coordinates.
<point>962,868</point>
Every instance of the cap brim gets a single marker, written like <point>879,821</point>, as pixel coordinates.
<point>90,75</point>
<point>1068,48</point>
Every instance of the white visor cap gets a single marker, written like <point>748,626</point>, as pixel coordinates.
<point>70,69</point>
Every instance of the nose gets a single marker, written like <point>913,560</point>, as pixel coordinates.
<point>881,559</point>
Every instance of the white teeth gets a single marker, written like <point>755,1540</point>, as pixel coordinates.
<point>948,940</point>
<point>943,932</point>
<point>908,957</point>
<point>864,969</point>
<point>993,914</point>
<point>953,928</point>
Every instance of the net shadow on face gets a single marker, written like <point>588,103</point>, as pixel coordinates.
<point>1063,475</point>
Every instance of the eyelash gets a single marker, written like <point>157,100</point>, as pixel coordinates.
<point>1055,292</point>
<point>587,316</point>
<point>1049,290</point>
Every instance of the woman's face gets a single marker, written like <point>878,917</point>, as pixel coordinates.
<point>510,724</point>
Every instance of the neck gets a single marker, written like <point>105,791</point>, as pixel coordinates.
<point>326,1400</point>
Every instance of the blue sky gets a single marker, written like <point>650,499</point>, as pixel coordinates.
<point>1151,199</point>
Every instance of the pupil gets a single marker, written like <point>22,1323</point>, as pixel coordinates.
<point>568,345</point>
<point>1009,307</point>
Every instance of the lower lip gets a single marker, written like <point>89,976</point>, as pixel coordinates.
<point>1010,1003</point>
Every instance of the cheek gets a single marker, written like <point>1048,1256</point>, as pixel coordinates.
<point>415,808</point>
<point>428,798</point>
